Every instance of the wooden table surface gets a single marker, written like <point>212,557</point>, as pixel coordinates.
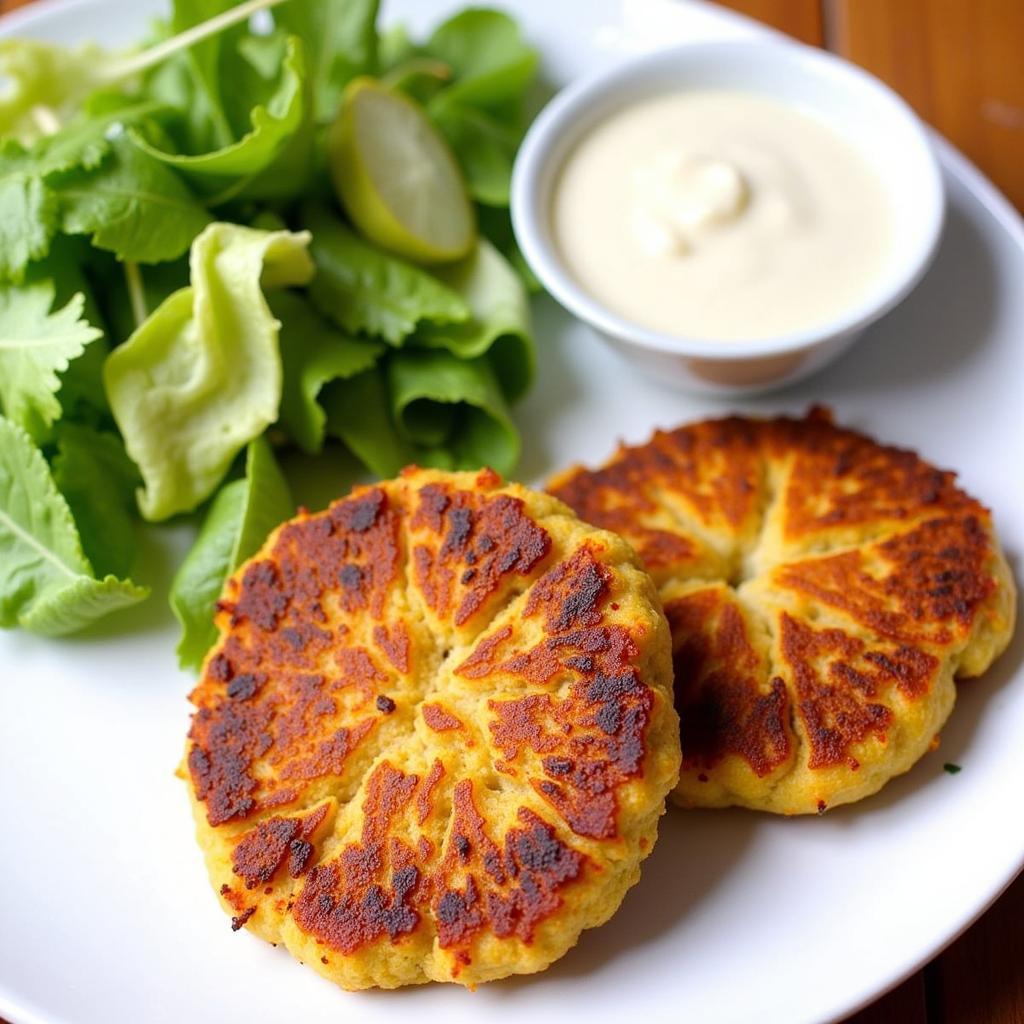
<point>960,63</point>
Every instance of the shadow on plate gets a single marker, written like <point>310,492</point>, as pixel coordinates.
<point>557,387</point>
<point>695,851</point>
<point>936,330</point>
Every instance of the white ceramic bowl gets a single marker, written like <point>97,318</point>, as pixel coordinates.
<point>866,113</point>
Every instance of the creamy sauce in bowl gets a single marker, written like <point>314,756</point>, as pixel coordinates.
<point>720,214</point>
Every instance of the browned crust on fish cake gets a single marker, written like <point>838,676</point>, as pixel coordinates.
<point>808,520</point>
<point>319,716</point>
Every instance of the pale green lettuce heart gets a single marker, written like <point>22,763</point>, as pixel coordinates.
<point>201,377</point>
<point>46,83</point>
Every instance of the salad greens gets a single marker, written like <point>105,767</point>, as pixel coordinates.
<point>38,344</point>
<point>237,523</point>
<point>363,289</point>
<point>201,377</point>
<point>48,585</point>
<point>184,302</point>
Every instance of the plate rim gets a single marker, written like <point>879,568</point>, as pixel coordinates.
<point>954,163</point>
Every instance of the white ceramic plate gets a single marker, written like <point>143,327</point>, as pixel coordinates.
<point>106,911</point>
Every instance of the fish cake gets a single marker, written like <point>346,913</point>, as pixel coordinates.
<point>823,591</point>
<point>436,734</point>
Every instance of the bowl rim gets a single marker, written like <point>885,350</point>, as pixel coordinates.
<point>557,118</point>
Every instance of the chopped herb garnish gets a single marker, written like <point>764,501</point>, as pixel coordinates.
<point>951,768</point>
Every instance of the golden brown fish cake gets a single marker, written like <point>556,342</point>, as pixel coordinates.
<point>823,592</point>
<point>436,734</point>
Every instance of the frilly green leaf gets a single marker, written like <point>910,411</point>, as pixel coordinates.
<point>201,377</point>
<point>36,346</point>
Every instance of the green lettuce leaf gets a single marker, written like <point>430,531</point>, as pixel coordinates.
<point>493,65</point>
<point>481,112</point>
<point>28,212</point>
<point>81,394</point>
<point>453,408</point>
<point>340,37</point>
<point>36,346</point>
<point>239,519</point>
<point>98,480</point>
<point>47,585</point>
<point>485,146</point>
<point>202,376</point>
<point>364,290</point>
<point>501,319</point>
<point>29,207</point>
<point>203,60</point>
<point>359,414</point>
<point>46,83</point>
<point>495,224</point>
<point>277,132</point>
<point>131,205</point>
<point>313,353</point>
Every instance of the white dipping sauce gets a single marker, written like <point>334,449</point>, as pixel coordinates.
<point>720,214</point>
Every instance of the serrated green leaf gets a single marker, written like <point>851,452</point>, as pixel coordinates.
<point>28,213</point>
<point>313,353</point>
<point>365,290</point>
<point>98,480</point>
<point>202,376</point>
<point>47,585</point>
<point>29,208</point>
<point>340,38</point>
<point>36,346</point>
<point>241,516</point>
<point>80,603</point>
<point>131,205</point>
<point>81,394</point>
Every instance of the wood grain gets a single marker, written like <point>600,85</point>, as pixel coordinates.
<point>960,64</point>
<point>801,19</point>
<point>981,976</point>
<point>907,1004</point>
